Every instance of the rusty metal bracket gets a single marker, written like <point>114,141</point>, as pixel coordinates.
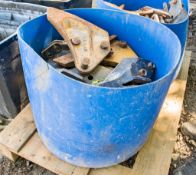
<point>59,52</point>
<point>88,43</point>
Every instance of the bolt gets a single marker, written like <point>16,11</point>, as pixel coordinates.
<point>85,63</point>
<point>122,44</point>
<point>75,41</point>
<point>112,38</point>
<point>110,53</point>
<point>104,45</point>
<point>151,65</point>
<point>142,72</point>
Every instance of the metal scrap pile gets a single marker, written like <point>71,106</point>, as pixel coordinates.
<point>90,55</point>
<point>172,12</point>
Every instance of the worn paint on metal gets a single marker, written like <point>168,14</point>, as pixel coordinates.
<point>94,126</point>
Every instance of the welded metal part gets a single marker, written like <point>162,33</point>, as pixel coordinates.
<point>180,17</point>
<point>156,11</point>
<point>88,43</point>
<point>98,75</point>
<point>134,71</point>
<point>144,12</point>
<point>55,49</point>
<point>119,51</point>
<point>59,52</point>
<point>175,7</point>
<point>95,77</point>
<point>66,61</point>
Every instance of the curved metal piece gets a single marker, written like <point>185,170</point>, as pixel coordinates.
<point>130,71</point>
<point>88,43</point>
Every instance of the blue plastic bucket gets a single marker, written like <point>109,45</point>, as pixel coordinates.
<point>180,29</point>
<point>92,126</point>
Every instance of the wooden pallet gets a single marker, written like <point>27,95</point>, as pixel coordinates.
<point>20,138</point>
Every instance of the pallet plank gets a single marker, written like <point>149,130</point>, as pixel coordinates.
<point>81,171</point>
<point>114,170</point>
<point>6,152</point>
<point>19,131</point>
<point>35,151</point>
<point>155,156</point>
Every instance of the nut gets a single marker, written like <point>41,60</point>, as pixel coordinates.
<point>104,45</point>
<point>75,41</point>
<point>85,63</point>
<point>142,72</point>
<point>151,65</point>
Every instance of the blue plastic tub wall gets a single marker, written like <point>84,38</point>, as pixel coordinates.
<point>93,126</point>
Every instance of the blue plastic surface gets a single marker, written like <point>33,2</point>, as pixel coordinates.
<point>93,126</point>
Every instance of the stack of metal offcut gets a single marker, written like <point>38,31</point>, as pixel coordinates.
<point>172,12</point>
<point>88,54</point>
